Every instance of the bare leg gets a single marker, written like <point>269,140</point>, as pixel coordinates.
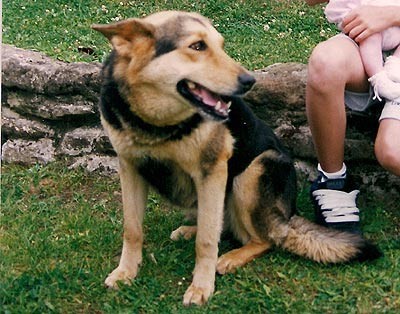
<point>385,85</point>
<point>371,54</point>
<point>387,145</point>
<point>335,65</point>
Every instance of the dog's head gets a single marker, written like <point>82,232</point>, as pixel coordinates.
<point>172,64</point>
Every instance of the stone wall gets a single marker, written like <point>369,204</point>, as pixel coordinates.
<point>49,112</point>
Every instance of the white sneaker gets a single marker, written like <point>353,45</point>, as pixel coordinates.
<point>385,87</point>
<point>392,68</point>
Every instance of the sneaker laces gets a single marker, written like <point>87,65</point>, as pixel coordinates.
<point>337,206</point>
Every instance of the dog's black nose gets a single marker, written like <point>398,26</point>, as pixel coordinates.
<point>246,81</point>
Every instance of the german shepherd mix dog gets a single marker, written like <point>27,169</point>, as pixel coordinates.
<point>171,107</point>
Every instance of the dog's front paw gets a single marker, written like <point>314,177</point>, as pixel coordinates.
<point>197,295</point>
<point>121,275</point>
<point>187,232</point>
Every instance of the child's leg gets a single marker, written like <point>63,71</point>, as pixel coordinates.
<point>387,144</point>
<point>371,54</point>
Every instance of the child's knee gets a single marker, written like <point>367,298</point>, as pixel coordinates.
<point>388,155</point>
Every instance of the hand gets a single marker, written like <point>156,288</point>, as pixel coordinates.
<point>364,21</point>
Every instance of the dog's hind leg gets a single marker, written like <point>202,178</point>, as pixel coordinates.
<point>134,196</point>
<point>230,261</point>
<point>186,232</point>
<point>249,200</point>
<point>240,204</point>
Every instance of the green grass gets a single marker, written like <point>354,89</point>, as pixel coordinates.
<point>60,229</point>
<point>61,234</point>
<point>258,33</point>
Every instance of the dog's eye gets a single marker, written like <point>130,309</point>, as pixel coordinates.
<point>199,46</point>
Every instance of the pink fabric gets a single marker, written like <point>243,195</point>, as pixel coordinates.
<point>336,10</point>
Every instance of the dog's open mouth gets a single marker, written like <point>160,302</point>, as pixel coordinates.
<point>207,101</point>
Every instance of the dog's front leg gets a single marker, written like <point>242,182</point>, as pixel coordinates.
<point>134,196</point>
<point>211,195</point>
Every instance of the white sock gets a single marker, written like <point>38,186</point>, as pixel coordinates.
<point>341,174</point>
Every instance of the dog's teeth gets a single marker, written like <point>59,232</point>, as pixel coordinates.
<point>218,106</point>
<point>229,104</point>
<point>191,85</point>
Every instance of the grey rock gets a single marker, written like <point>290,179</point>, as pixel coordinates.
<point>49,110</point>
<point>279,93</point>
<point>28,152</point>
<point>14,125</point>
<point>50,107</point>
<point>35,72</point>
<point>107,165</point>
<point>83,141</point>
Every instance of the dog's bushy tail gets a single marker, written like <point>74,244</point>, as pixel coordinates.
<point>326,245</point>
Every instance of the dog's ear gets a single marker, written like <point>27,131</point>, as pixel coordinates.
<point>125,34</point>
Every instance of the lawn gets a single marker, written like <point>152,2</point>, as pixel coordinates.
<point>60,229</point>
<point>257,33</point>
<point>61,234</point>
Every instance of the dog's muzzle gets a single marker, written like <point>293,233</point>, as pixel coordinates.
<point>213,104</point>
<point>246,82</point>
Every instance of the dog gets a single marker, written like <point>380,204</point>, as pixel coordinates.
<point>171,105</point>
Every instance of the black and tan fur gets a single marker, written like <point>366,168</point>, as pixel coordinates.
<point>161,73</point>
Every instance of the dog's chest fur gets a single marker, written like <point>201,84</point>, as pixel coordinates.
<point>170,166</point>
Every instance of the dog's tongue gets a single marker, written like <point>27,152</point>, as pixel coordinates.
<point>209,98</point>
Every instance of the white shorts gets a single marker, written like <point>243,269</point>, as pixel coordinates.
<point>361,102</point>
